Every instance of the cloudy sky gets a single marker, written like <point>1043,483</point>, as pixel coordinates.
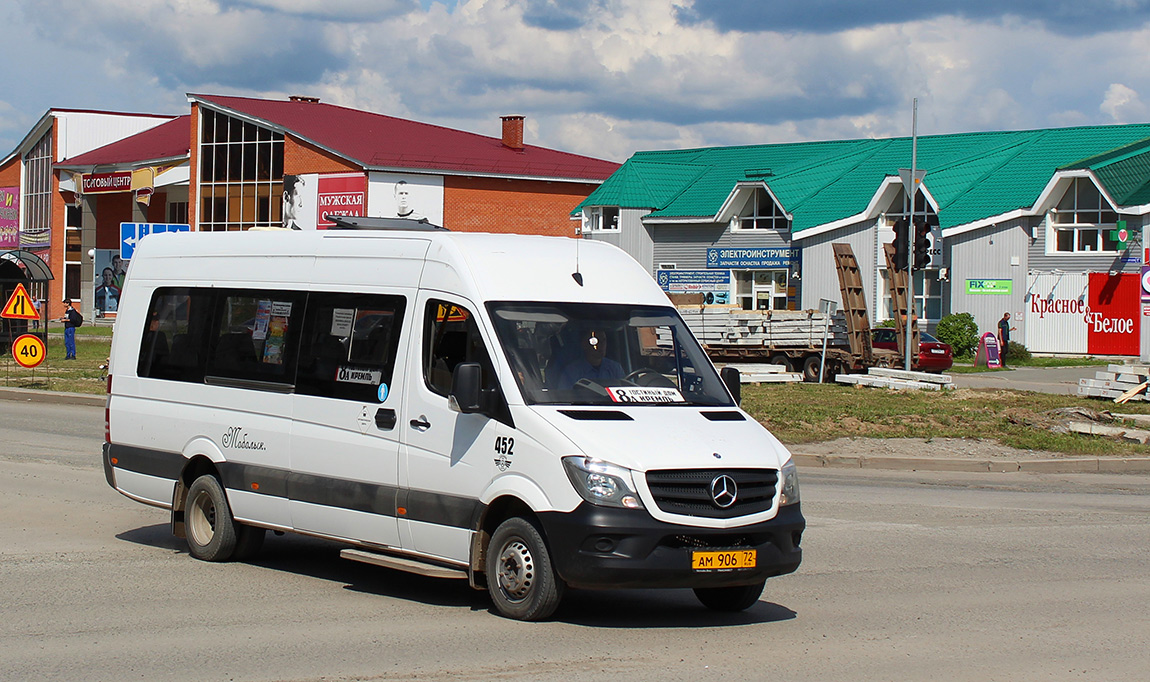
<point>604,78</point>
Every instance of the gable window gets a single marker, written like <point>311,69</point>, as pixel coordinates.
<point>605,219</point>
<point>762,213</point>
<point>1082,221</point>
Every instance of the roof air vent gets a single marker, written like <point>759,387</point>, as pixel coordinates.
<point>304,98</point>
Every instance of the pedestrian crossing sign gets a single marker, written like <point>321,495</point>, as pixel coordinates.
<point>19,306</point>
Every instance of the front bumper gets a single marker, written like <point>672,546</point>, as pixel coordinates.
<point>601,547</point>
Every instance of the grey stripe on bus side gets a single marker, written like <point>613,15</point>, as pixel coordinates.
<point>374,498</point>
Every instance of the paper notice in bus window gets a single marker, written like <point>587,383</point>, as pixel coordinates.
<point>281,308</point>
<point>260,326</point>
<point>341,321</point>
<point>352,375</point>
<point>274,346</point>
<point>645,394</point>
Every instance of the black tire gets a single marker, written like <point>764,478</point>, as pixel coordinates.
<point>520,577</point>
<point>730,599</point>
<point>783,360</point>
<point>211,532</point>
<point>811,369</point>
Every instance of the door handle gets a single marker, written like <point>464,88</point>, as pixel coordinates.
<point>385,418</point>
<point>421,423</point>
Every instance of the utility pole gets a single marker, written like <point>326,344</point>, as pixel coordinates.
<point>913,191</point>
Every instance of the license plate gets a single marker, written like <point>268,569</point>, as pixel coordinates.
<point>723,561</point>
<point>938,351</point>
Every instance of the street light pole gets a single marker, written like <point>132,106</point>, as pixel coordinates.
<point>910,231</point>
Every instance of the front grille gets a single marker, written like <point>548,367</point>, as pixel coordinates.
<point>688,491</point>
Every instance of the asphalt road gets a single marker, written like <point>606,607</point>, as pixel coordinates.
<point>1059,380</point>
<point>906,577</point>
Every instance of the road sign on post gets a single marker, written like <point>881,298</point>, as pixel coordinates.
<point>132,233</point>
<point>19,306</point>
<point>28,350</point>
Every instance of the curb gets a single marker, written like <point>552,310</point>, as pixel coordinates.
<point>57,397</point>
<point>1076,465</point>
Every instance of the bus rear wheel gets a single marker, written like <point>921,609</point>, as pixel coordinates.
<point>212,533</point>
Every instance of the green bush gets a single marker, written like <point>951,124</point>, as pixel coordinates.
<point>884,324</point>
<point>960,331</point>
<point>1015,352</point>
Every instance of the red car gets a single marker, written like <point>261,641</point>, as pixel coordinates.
<point>933,355</point>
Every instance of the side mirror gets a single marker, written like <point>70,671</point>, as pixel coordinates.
<point>466,381</point>
<point>734,383</point>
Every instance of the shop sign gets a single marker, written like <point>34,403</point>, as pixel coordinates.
<point>1110,327</point>
<point>989,286</point>
<point>714,283</point>
<point>101,183</point>
<point>1095,313</point>
<point>9,217</point>
<point>340,194</point>
<point>1145,279</point>
<point>777,257</point>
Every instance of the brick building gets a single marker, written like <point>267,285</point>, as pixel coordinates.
<point>234,163</point>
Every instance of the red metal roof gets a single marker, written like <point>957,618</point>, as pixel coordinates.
<point>376,141</point>
<point>165,141</point>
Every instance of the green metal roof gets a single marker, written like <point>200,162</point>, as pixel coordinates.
<point>1124,172</point>
<point>972,176</point>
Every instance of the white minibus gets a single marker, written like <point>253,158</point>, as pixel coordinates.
<point>526,413</point>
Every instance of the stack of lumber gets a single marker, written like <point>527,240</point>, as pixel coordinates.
<point>758,373</point>
<point>720,325</point>
<point>899,379</point>
<point>1117,381</point>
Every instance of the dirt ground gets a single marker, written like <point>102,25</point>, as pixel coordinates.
<point>968,448</point>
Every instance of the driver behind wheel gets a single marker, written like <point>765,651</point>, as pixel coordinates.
<point>594,364</point>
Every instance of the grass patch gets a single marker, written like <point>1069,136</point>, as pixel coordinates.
<point>81,375</point>
<point>805,413</point>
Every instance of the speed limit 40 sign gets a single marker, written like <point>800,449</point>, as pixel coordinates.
<point>28,350</point>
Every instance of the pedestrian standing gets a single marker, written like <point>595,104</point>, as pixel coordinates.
<point>71,319</point>
<point>1004,330</point>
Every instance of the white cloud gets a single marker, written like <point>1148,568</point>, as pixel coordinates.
<point>1123,104</point>
<point>613,77</point>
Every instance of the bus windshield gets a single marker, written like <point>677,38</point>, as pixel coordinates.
<point>605,354</point>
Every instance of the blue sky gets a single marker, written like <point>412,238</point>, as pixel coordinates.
<point>604,78</point>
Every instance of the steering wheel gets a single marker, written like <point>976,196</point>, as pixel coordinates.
<point>648,377</point>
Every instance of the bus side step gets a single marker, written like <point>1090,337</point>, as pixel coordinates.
<point>399,564</point>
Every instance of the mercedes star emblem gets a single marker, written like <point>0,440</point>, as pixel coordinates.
<point>724,491</point>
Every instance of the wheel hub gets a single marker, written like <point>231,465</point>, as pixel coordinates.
<point>516,570</point>
<point>202,523</point>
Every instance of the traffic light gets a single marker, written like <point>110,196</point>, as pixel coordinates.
<point>921,244</point>
<point>900,244</point>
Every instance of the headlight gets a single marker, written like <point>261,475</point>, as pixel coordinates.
<point>602,483</point>
<point>790,493</point>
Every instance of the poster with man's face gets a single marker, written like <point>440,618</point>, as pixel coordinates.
<point>308,199</point>
<point>415,197</point>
